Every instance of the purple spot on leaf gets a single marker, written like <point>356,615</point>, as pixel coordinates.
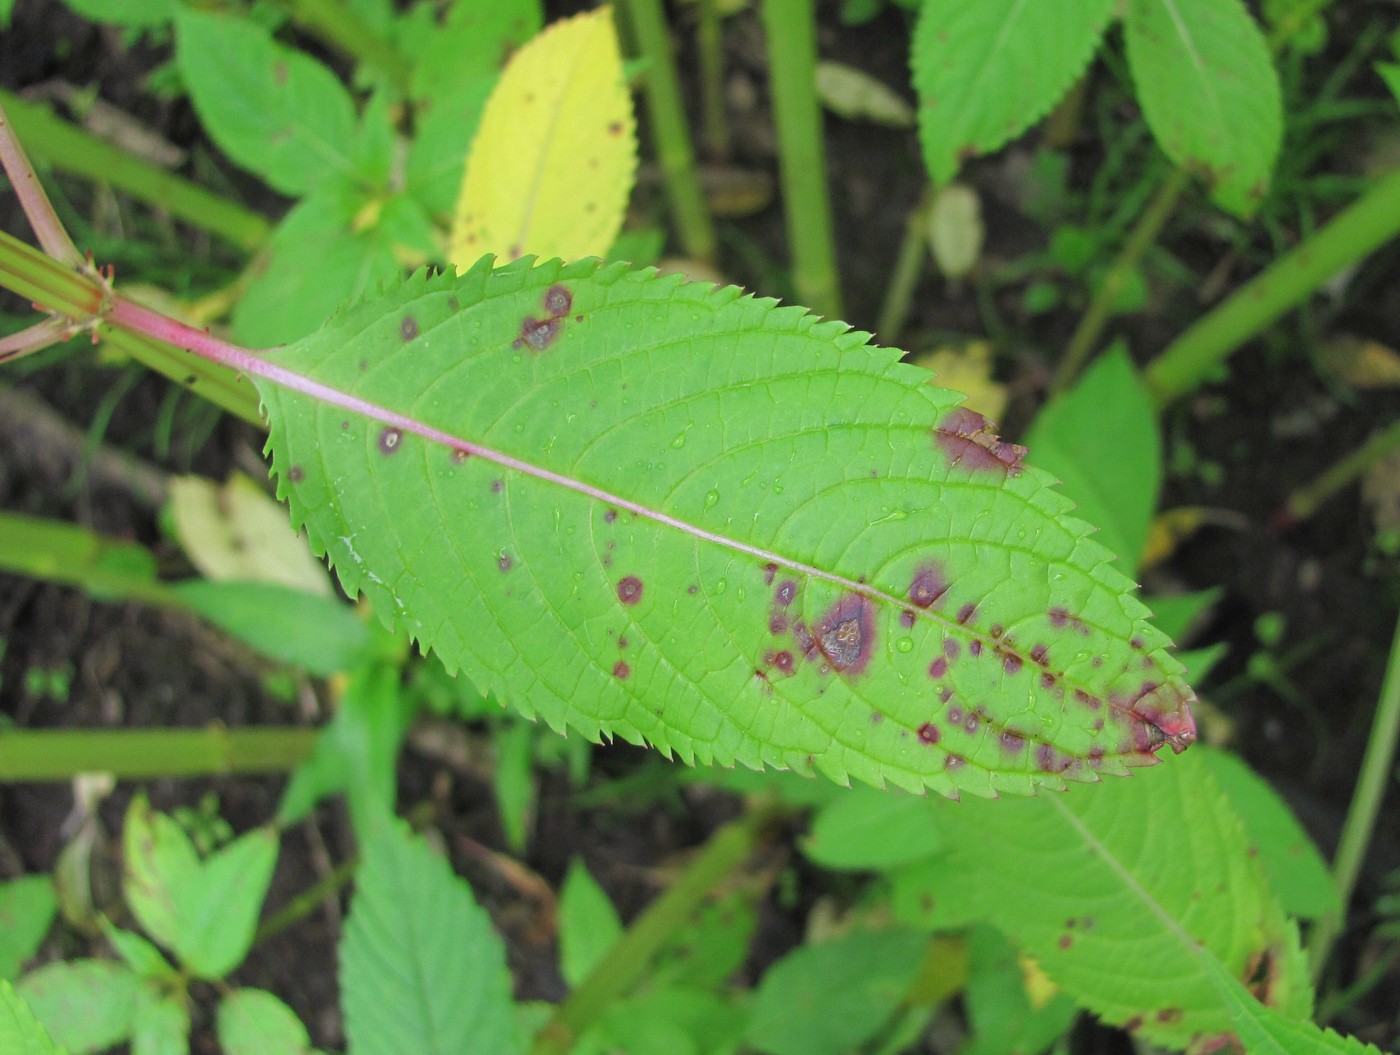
<point>390,440</point>
<point>928,733</point>
<point>621,671</point>
<point>296,474</point>
<point>928,586</point>
<point>846,633</point>
<point>938,668</point>
<point>906,619</point>
<point>408,328</point>
<point>629,590</point>
<point>966,437</point>
<point>504,562</point>
<point>557,301</point>
<point>784,594</point>
<point>539,334</point>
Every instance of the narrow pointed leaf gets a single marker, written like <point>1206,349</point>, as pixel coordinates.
<point>1209,92</point>
<point>690,518</point>
<point>985,72</point>
<point>552,164</point>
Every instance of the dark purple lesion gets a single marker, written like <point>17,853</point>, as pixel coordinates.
<point>927,586</point>
<point>845,634</point>
<point>969,440</point>
<point>629,590</point>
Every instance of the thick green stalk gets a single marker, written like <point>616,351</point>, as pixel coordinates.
<point>69,148</point>
<point>1360,824</point>
<point>669,131</point>
<point>1356,231</point>
<point>1145,231</point>
<point>338,25</point>
<point>83,298</point>
<point>137,754</point>
<point>629,960</point>
<point>709,41</point>
<point>899,293</point>
<point>790,28</point>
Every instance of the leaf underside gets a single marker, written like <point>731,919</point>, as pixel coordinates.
<point>691,518</point>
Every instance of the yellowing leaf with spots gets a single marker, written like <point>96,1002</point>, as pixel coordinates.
<point>553,163</point>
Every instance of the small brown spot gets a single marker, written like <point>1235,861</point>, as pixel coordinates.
<point>929,734</point>
<point>497,486</point>
<point>539,334</point>
<point>609,516</point>
<point>954,762</point>
<point>966,612</point>
<point>557,301</point>
<point>1066,941</point>
<point>971,722</point>
<point>927,587</point>
<point>344,425</point>
<point>621,671</point>
<point>390,440</point>
<point>629,590</point>
<point>1011,662</point>
<point>974,647</point>
<point>459,456</point>
<point>614,128</point>
<point>1038,654</point>
<point>938,668</point>
<point>692,589</point>
<point>296,474</point>
<point>504,562</point>
<point>622,641</point>
<point>777,624</point>
<point>769,570</point>
<point>408,328</point>
<point>906,619</point>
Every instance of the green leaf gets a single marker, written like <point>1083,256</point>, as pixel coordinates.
<point>315,263</point>
<point>161,1025</point>
<point>986,72</point>
<point>1121,891</point>
<point>999,1009</point>
<point>27,908</point>
<point>86,1005</point>
<point>20,1032</point>
<point>139,954</point>
<point>252,1022</point>
<point>159,862</point>
<point>869,829</point>
<point>1264,1031</point>
<point>1390,73</point>
<point>318,634</point>
<point>666,1021</point>
<point>272,109</point>
<point>421,969</point>
<point>710,947</point>
<point>928,894</point>
<point>513,780</point>
<point>588,924</point>
<point>1101,439</point>
<point>1296,871</point>
<point>134,14</point>
<point>619,502</point>
<point>828,998</point>
<point>356,752</point>
<point>1177,615</point>
<point>1209,92</point>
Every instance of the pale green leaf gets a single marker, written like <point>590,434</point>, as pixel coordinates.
<point>987,71</point>
<point>1121,892</point>
<point>86,1005</point>
<point>274,110</point>
<point>27,908</point>
<point>421,969</point>
<point>1296,871</point>
<point>554,158</point>
<point>1209,92</point>
<point>139,954</point>
<point>1264,1031</point>
<point>513,781</point>
<point>686,517</point>
<point>20,1032</point>
<point>869,829</point>
<point>1101,439</point>
<point>855,94</point>
<point>1000,1011</point>
<point>159,862</point>
<point>161,1025</point>
<point>955,231</point>
<point>219,915</point>
<point>588,924</point>
<point>134,14</point>
<point>830,997</point>
<point>253,1022</point>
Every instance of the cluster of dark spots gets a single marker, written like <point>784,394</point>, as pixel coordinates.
<point>296,474</point>
<point>928,586</point>
<point>967,438</point>
<point>408,328</point>
<point>938,668</point>
<point>497,486</point>
<point>629,590</point>
<point>929,734</point>
<point>846,633</point>
<point>906,619</point>
<point>608,554</point>
<point>1061,618</point>
<point>504,562</point>
<point>621,671</point>
<point>781,660</point>
<point>390,439</point>
<point>1039,653</point>
<point>769,571</point>
<point>539,334</point>
<point>777,624</point>
<point>609,516</point>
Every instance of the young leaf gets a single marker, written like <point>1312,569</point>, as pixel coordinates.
<point>869,829</point>
<point>86,1005</point>
<point>27,908</point>
<point>1209,92</point>
<point>1002,1014</point>
<point>1101,439</point>
<point>689,518</point>
<point>831,997</point>
<point>272,109</point>
<point>20,1031</point>
<point>161,1025</point>
<point>1122,896</point>
<point>421,970</point>
<point>986,72</point>
<point>252,1022</point>
<point>588,924</point>
<point>553,161</point>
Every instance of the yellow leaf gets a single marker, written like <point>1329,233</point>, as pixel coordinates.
<point>555,156</point>
<point>968,370</point>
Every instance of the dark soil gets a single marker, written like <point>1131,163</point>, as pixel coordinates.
<point>1273,424</point>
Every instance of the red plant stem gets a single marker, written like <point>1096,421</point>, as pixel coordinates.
<point>33,199</point>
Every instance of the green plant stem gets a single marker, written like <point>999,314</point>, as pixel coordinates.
<point>69,148</point>
<point>1091,325</point>
<point>1306,501</point>
<point>1371,783</point>
<point>790,29</point>
<point>709,41</point>
<point>630,958</point>
<point>307,901</point>
<point>661,89</point>
<point>336,23</point>
<point>1352,234</point>
<point>84,299</point>
<point>136,754</point>
<point>909,266</point>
